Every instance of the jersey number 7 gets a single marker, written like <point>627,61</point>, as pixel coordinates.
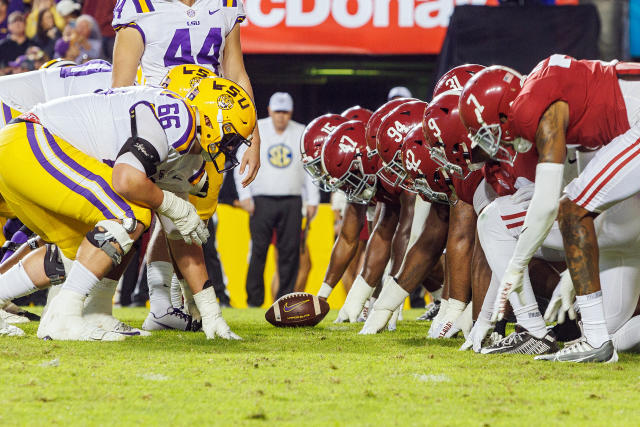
<point>179,50</point>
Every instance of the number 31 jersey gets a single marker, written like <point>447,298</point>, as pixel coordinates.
<point>175,34</point>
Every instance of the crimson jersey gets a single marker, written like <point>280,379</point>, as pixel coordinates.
<point>466,188</point>
<point>597,111</point>
<point>502,176</point>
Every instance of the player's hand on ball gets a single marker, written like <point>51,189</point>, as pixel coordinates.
<point>185,217</point>
<point>561,303</point>
<point>511,282</point>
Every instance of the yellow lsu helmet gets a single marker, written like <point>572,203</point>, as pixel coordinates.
<point>183,78</point>
<point>57,63</point>
<point>226,117</point>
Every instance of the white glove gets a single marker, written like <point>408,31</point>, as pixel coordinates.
<point>523,194</point>
<point>477,335</point>
<point>358,294</point>
<point>213,324</point>
<point>376,321</point>
<point>185,217</point>
<point>561,302</point>
<point>511,282</point>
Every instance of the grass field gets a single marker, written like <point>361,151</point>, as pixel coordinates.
<point>327,375</point>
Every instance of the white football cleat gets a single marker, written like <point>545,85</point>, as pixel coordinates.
<point>98,310</point>
<point>64,321</point>
<point>356,298</point>
<point>110,323</point>
<point>13,319</point>
<point>213,324</point>
<point>393,322</point>
<point>10,330</point>
<point>173,318</point>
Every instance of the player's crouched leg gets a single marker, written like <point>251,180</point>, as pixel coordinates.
<point>102,249</point>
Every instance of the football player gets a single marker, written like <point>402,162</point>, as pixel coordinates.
<point>356,171</point>
<point>159,35</point>
<point>564,102</point>
<point>149,132</point>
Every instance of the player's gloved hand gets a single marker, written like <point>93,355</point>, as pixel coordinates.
<point>202,187</point>
<point>511,282</point>
<point>523,194</point>
<point>185,217</point>
<point>463,323</point>
<point>561,302</point>
<point>477,335</point>
<point>376,321</point>
<point>358,294</point>
<point>213,324</point>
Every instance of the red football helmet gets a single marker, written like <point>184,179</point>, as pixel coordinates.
<point>314,136</point>
<point>394,127</point>
<point>344,157</point>
<point>456,78</point>
<point>484,109</point>
<point>444,131</point>
<point>376,119</point>
<point>357,113</point>
<point>429,179</point>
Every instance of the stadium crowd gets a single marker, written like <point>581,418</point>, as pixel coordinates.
<point>33,32</point>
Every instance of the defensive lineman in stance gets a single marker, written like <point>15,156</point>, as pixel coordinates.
<point>99,211</point>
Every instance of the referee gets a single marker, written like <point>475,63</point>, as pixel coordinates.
<point>274,200</point>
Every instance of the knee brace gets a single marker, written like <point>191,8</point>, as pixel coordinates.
<point>54,267</point>
<point>106,235</point>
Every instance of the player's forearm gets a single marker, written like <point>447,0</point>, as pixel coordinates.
<point>541,214</point>
<point>376,257</point>
<point>344,250</point>
<point>426,251</point>
<point>460,244</point>
<point>134,186</point>
<point>127,52</point>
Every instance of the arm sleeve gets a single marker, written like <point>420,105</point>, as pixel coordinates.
<point>149,129</point>
<point>541,214</point>
<point>310,191</point>
<point>243,193</point>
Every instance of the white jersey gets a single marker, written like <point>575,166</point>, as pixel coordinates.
<point>102,124</point>
<point>176,34</point>
<point>23,91</point>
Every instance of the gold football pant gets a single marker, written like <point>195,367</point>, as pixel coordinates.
<point>56,190</point>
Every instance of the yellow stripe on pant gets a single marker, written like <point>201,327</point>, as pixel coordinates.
<point>56,190</point>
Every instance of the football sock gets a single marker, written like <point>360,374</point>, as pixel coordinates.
<point>529,317</point>
<point>436,295</point>
<point>15,283</point>
<point>176,292</point>
<point>159,276</point>
<point>100,299</point>
<point>325,290</point>
<point>80,280</point>
<point>593,320</point>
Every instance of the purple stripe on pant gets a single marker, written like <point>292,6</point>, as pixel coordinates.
<point>33,143</point>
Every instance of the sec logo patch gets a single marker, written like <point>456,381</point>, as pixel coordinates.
<point>280,156</point>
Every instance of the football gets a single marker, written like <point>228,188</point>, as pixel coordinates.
<point>297,309</point>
